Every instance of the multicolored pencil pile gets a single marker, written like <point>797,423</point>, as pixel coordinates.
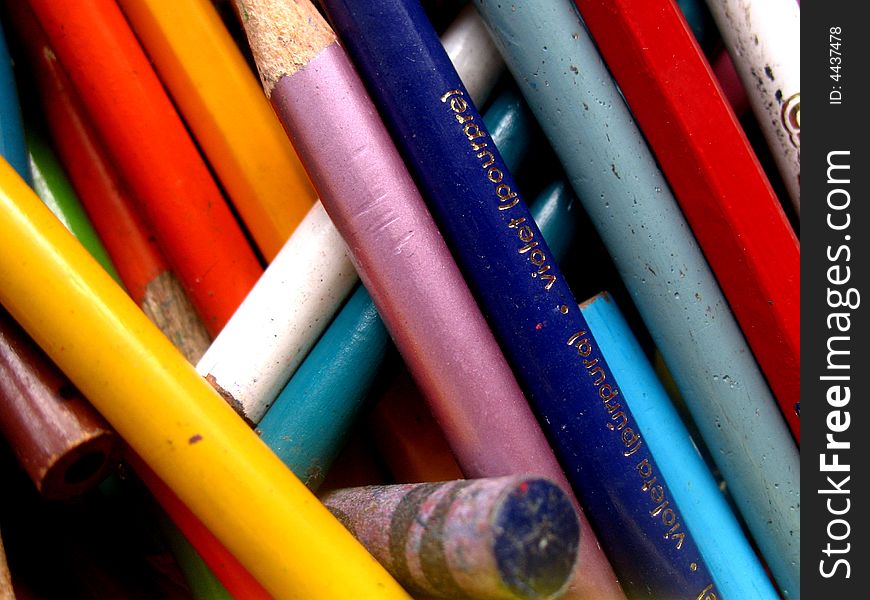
<point>210,287</point>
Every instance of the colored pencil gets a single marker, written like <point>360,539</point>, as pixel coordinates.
<point>226,568</point>
<point>522,292</point>
<point>733,563</point>
<point>281,318</point>
<point>51,184</point>
<point>763,38</point>
<point>311,417</point>
<point>199,578</point>
<point>199,447</point>
<point>729,80</point>
<point>700,20</point>
<point>373,202</point>
<point>12,144</point>
<point>631,206</point>
<point>212,85</point>
<point>154,154</point>
<point>715,176</point>
<point>127,237</point>
<point>287,310</point>
<point>59,440</point>
<point>501,538</point>
<point>473,54</point>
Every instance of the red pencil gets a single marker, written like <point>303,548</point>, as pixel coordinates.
<point>715,176</point>
<point>229,571</point>
<point>153,152</point>
<point>128,239</point>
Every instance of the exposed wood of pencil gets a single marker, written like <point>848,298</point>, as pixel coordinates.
<point>58,438</point>
<point>127,237</point>
<point>715,176</point>
<point>276,53</point>
<point>153,152</point>
<point>431,314</point>
<point>222,102</point>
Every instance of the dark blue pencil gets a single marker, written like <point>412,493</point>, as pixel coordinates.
<point>523,294</point>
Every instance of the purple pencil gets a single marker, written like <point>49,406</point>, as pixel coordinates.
<point>401,258</point>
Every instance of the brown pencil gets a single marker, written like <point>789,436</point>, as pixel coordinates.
<point>62,443</point>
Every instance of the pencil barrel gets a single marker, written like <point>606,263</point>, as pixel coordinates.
<point>58,438</point>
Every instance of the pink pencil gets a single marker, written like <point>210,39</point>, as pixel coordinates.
<point>400,256</point>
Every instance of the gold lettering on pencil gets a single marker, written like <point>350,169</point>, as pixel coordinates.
<point>527,247</point>
<point>673,535</point>
<point>525,234</point>
<point>601,379</point>
<point>549,279</point>
<point>618,422</point>
<point>537,258</point>
<point>472,131</point>
<point>488,163</point>
<point>707,594</point>
<point>661,504</point>
<point>622,423</point>
<point>575,337</point>
<point>475,132</point>
<point>629,437</point>
<point>447,96</point>
<point>607,392</point>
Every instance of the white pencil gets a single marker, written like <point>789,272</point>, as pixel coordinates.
<point>763,39</point>
<point>473,54</point>
<point>282,317</point>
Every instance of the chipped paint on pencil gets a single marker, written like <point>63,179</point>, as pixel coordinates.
<point>506,538</point>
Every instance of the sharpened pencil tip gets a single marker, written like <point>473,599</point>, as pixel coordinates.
<point>284,35</point>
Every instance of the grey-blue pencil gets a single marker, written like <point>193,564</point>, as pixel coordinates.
<point>629,202</point>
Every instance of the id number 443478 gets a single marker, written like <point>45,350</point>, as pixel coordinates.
<point>835,56</point>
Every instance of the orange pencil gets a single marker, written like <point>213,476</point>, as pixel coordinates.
<point>127,237</point>
<point>211,84</point>
<point>153,152</point>
<point>407,436</point>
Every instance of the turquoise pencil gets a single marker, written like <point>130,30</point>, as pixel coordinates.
<point>629,202</point>
<point>12,145</point>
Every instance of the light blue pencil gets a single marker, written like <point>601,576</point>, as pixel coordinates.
<point>628,200</point>
<point>732,561</point>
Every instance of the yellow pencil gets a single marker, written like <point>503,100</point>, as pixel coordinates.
<point>223,103</point>
<point>154,398</point>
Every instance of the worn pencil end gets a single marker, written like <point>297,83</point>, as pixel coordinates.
<point>284,36</point>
